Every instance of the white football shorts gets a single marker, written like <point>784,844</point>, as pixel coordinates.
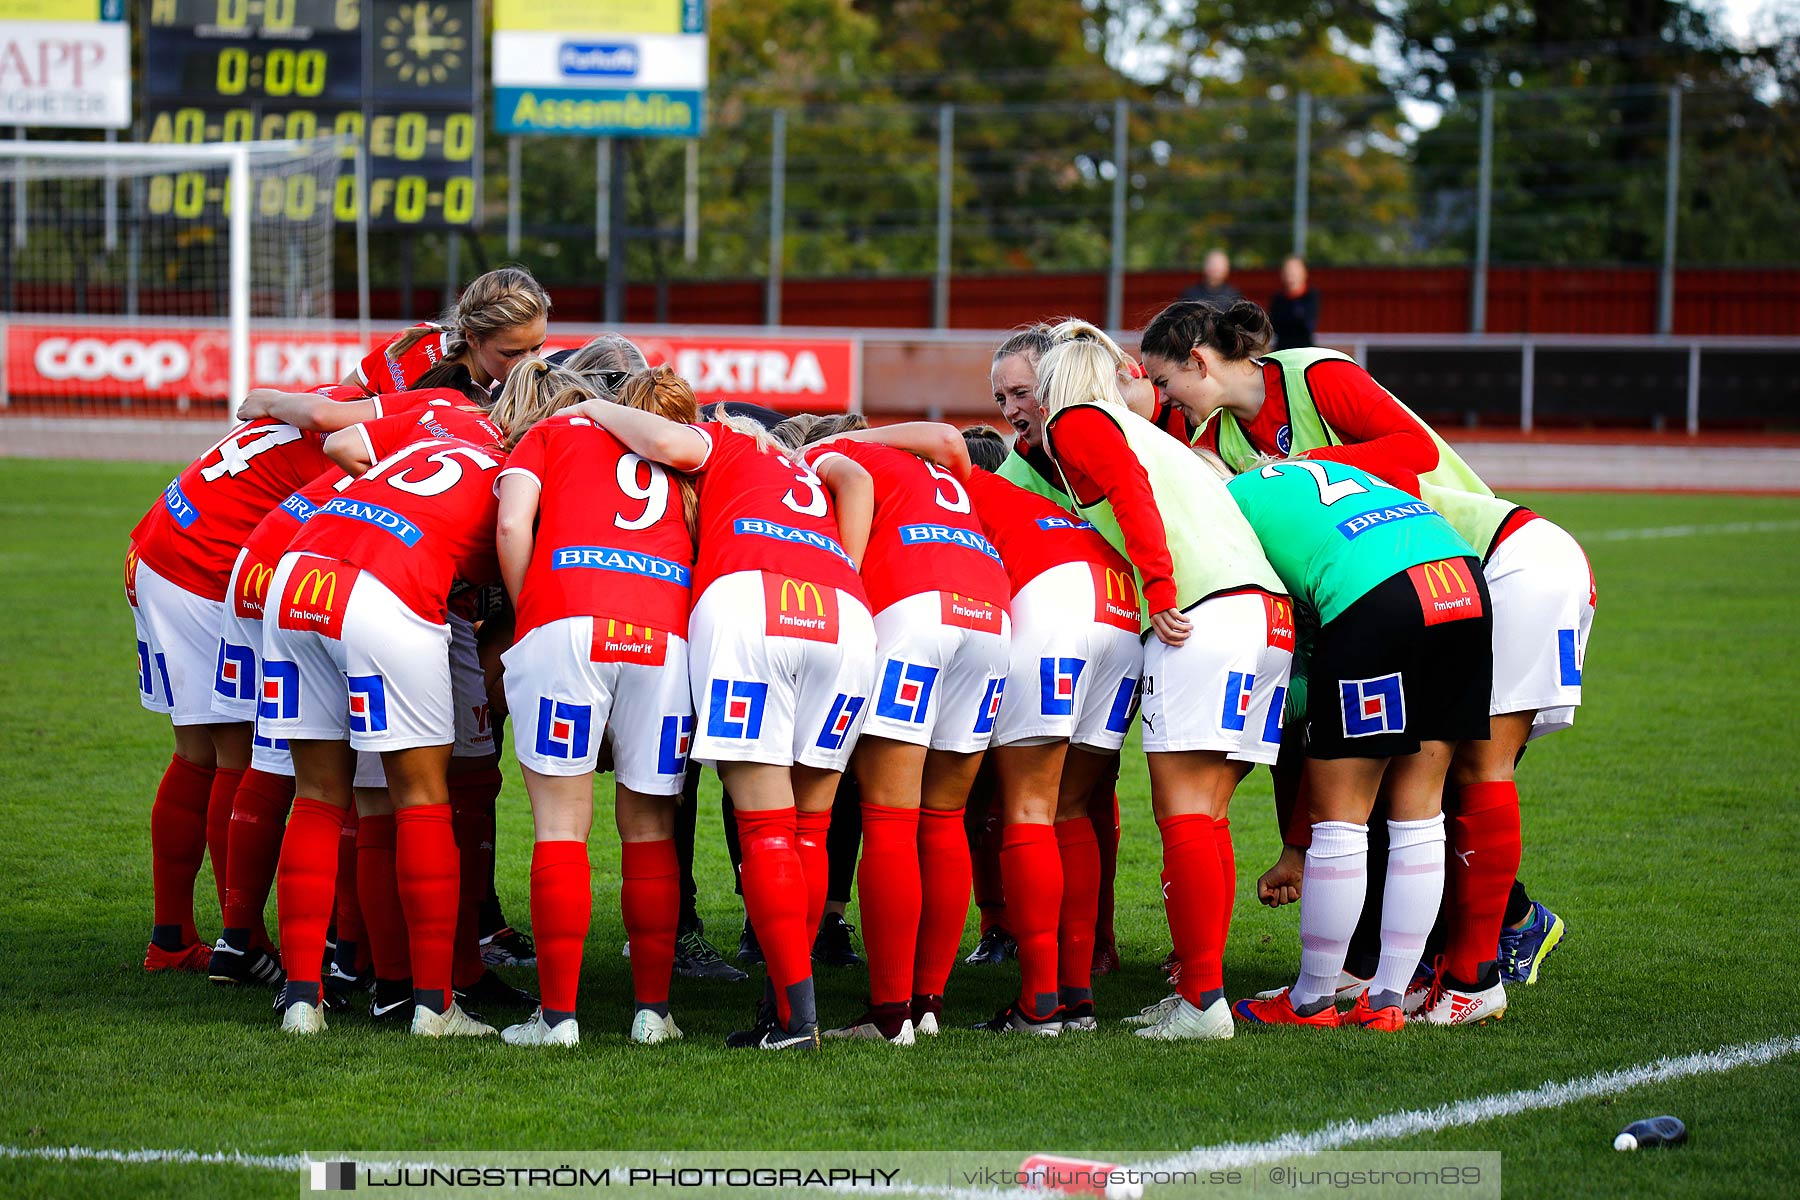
<point>1226,686</point>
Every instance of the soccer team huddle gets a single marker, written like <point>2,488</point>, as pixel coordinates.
<point>869,634</point>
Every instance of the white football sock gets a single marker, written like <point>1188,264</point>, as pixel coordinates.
<point>1409,905</point>
<point>1331,901</point>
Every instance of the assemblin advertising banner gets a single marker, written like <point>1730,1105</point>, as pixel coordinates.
<point>100,360</point>
<point>601,68</point>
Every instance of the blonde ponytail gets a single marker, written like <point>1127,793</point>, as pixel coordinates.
<point>534,390</point>
<point>1082,366</point>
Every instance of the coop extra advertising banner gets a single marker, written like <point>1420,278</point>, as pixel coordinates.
<point>65,64</point>
<point>100,360</point>
<point>603,68</point>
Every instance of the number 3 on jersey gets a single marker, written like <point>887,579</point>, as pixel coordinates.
<point>816,504</point>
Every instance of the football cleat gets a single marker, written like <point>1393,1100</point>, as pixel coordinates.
<point>695,958</point>
<point>1387,1018</point>
<point>769,1034</point>
<point>1106,957</point>
<point>537,1032</point>
<point>995,947</point>
<point>1449,1002</point>
<point>491,991</point>
<point>1079,1017</point>
<point>746,1039</point>
<point>452,1022</point>
<point>1423,979</point>
<point>1523,951</point>
<point>301,1017</point>
<point>1012,1020</point>
<point>925,1013</point>
<point>1279,1010</point>
<point>832,947</point>
<point>890,1023</point>
<point>344,981</point>
<point>391,1000</point>
<point>1349,987</point>
<point>195,956</point>
<point>649,1028</point>
<point>1150,1014</point>
<point>1184,1023</point>
<point>229,965</point>
<point>749,949</point>
<point>507,947</point>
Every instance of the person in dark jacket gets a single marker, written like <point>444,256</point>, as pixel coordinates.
<point>1294,312</point>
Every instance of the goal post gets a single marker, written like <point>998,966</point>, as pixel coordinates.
<point>131,274</point>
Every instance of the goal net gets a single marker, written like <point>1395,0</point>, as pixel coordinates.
<point>139,298</point>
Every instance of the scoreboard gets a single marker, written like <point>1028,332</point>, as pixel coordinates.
<point>400,77</point>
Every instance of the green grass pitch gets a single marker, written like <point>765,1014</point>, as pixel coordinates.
<point>1665,827</point>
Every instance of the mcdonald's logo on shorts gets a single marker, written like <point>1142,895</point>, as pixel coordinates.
<point>799,608</point>
<point>252,589</point>
<point>317,593</point>
<point>1446,589</point>
<point>1116,600</point>
<point>1280,612</point>
<point>622,641</point>
<point>966,612</point>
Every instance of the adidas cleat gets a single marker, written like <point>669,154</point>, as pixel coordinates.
<point>649,1028</point>
<point>925,1013</point>
<point>1523,951</point>
<point>507,947</point>
<point>1150,1014</point>
<point>255,966</point>
<point>1450,1003</point>
<point>452,1022</point>
<point>1012,1019</point>
<point>1387,1019</point>
<point>995,947</point>
<point>1279,1010</point>
<point>1185,1023</point>
<point>695,958</point>
<point>303,1018</point>
<point>195,956</point>
<point>537,1032</point>
<point>1423,980</point>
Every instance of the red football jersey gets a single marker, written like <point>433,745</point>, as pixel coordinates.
<point>192,537</point>
<point>1034,534</point>
<point>420,520</point>
<point>763,512</point>
<point>925,537</point>
<point>435,419</point>
<point>384,370</point>
<point>611,538</point>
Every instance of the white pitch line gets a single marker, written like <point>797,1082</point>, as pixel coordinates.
<point>1337,1136</point>
<point>1681,531</point>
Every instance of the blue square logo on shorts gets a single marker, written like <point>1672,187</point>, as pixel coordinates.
<point>672,750</point>
<point>840,720</point>
<point>1057,678</point>
<point>368,703</point>
<point>1373,706</point>
<point>990,705</point>
<point>563,729</point>
<point>906,692</point>
<point>736,709</point>
<point>280,691</point>
<point>1238,688</point>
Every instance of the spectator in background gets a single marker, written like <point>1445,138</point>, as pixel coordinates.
<point>1294,312</point>
<point>1214,286</point>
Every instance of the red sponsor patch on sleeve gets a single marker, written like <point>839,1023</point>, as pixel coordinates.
<point>1116,600</point>
<point>799,608</point>
<point>1447,590</point>
<point>1280,612</point>
<point>316,595</point>
<point>252,588</point>
<point>966,612</point>
<point>624,641</point>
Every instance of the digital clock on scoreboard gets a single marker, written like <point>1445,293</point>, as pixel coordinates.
<point>399,76</point>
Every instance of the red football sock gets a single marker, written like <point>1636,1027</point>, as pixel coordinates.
<point>775,900</point>
<point>1106,835</point>
<point>562,909</point>
<point>1192,896</point>
<point>887,884</point>
<point>944,885</point>
<point>426,866</point>
<point>349,908</point>
<point>985,847</point>
<point>472,797</point>
<point>1483,861</point>
<point>378,895</point>
<point>1032,873</point>
<point>1227,877</point>
<point>1079,851</point>
<point>304,886</point>
<point>258,815</point>
<point>650,899</point>
<point>810,829</point>
<point>178,843</point>
<point>220,798</point>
